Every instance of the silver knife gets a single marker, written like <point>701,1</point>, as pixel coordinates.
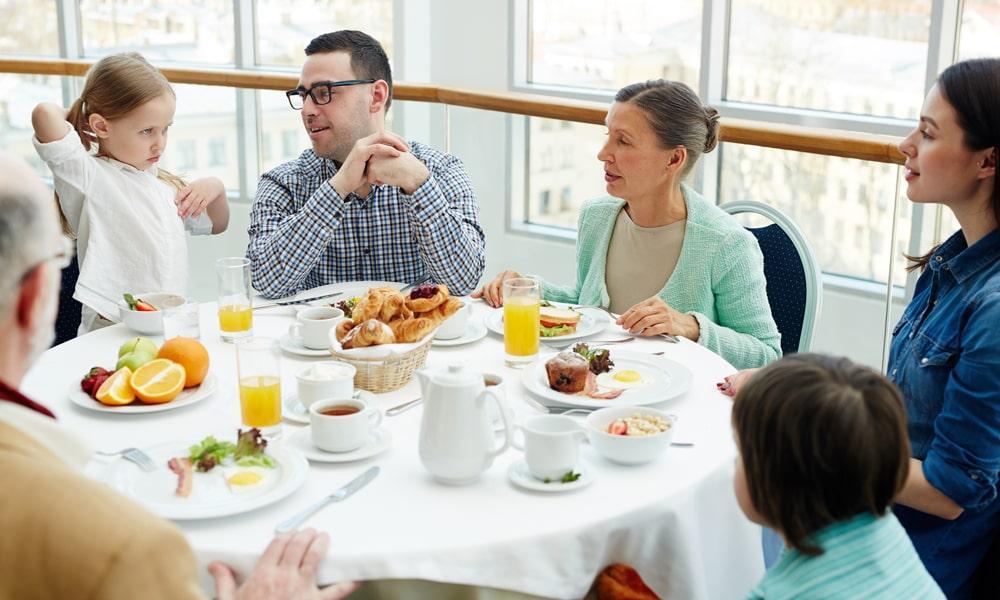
<point>341,494</point>
<point>300,301</point>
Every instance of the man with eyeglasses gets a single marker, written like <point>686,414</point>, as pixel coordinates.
<point>66,536</point>
<point>361,204</point>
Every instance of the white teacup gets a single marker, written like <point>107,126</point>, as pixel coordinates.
<point>551,445</point>
<point>454,326</point>
<point>312,326</point>
<point>330,379</point>
<point>342,424</point>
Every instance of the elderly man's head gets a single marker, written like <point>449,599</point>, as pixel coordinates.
<point>30,246</point>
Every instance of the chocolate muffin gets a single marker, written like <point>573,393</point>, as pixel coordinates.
<point>567,372</point>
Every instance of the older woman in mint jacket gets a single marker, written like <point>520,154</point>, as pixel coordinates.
<point>657,252</point>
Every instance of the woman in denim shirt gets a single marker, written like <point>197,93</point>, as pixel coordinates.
<point>945,354</point>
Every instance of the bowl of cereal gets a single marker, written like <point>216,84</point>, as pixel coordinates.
<point>630,435</point>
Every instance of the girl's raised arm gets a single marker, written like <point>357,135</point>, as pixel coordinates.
<point>49,121</point>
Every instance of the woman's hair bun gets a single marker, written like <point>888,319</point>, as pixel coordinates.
<point>712,124</point>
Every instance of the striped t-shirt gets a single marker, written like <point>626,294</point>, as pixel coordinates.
<point>863,557</point>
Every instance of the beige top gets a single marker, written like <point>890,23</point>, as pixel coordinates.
<point>640,260</point>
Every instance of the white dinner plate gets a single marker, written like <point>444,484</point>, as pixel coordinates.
<point>296,412</point>
<point>666,380</point>
<point>294,346</point>
<point>592,322</point>
<point>378,442</point>
<point>186,397</point>
<point>210,495</point>
<point>520,475</point>
<point>474,331</point>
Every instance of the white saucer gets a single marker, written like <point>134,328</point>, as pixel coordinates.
<point>290,344</point>
<point>475,330</point>
<point>519,474</point>
<point>296,412</point>
<point>378,442</point>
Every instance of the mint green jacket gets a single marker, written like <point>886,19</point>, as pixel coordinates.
<point>719,278</point>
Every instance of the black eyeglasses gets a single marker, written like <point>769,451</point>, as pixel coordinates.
<point>321,93</point>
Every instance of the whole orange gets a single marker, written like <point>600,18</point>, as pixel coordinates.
<point>190,354</point>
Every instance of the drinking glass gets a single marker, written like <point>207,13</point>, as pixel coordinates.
<point>521,303</point>
<point>181,320</point>
<point>235,317</point>
<point>258,366</point>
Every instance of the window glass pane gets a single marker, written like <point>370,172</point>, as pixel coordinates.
<point>28,27</point>
<point>563,170</point>
<point>284,28</point>
<point>199,31</point>
<point>864,58</point>
<point>980,33</point>
<point>18,96</point>
<point>843,206</point>
<point>203,141</point>
<point>607,45</point>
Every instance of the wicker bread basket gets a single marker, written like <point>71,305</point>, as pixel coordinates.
<point>387,373</point>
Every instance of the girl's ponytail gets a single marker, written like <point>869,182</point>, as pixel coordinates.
<point>77,117</point>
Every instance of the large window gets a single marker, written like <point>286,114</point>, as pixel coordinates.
<point>28,27</point>
<point>980,29</point>
<point>18,96</point>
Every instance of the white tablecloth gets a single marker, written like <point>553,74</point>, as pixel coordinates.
<point>676,520</point>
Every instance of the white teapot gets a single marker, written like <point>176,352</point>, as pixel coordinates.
<point>457,442</point>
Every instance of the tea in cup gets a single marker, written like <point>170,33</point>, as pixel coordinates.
<point>312,326</point>
<point>342,424</point>
<point>331,379</point>
<point>551,445</point>
<point>454,326</point>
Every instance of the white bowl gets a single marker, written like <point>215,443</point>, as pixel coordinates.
<point>454,326</point>
<point>148,322</point>
<point>624,449</point>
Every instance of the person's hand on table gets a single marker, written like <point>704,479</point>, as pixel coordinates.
<point>492,292</point>
<point>653,316</point>
<point>353,174</point>
<point>732,384</point>
<point>286,570</point>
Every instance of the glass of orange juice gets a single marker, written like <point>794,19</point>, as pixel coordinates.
<point>258,366</point>
<point>521,302</point>
<point>235,317</point>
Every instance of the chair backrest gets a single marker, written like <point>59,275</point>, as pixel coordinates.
<point>68,317</point>
<point>794,281</point>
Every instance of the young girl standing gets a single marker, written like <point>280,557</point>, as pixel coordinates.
<point>129,217</point>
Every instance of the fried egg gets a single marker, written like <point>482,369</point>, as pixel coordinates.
<point>242,480</point>
<point>623,379</point>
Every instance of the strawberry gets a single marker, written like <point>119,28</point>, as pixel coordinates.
<point>89,383</point>
<point>618,427</point>
<point>138,304</point>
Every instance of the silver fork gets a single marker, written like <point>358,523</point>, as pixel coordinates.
<point>134,455</point>
<point>589,343</point>
<point>670,338</point>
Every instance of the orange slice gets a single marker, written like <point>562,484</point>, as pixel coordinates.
<point>158,381</point>
<point>116,391</point>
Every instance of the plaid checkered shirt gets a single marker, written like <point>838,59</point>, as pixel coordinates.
<point>304,234</point>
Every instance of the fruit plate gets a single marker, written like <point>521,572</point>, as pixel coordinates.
<point>664,380</point>
<point>592,322</point>
<point>186,397</point>
<point>210,495</point>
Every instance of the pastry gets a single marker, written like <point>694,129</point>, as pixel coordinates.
<point>368,333</point>
<point>393,307</point>
<point>445,310</point>
<point>343,328</point>
<point>426,297</point>
<point>567,372</point>
<point>368,307</point>
<point>411,330</point>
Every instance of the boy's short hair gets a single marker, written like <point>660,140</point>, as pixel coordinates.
<point>822,439</point>
<point>368,58</point>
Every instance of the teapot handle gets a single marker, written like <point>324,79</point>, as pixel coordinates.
<point>507,434</point>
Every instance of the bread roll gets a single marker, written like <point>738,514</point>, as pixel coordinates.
<point>369,333</point>
<point>411,330</point>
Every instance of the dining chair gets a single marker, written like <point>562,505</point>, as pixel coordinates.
<point>68,317</point>
<point>794,281</point>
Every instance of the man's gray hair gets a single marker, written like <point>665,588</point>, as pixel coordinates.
<point>29,227</point>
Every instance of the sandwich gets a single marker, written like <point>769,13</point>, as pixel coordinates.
<point>555,321</point>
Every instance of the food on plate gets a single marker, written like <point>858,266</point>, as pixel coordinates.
<point>554,321</point>
<point>638,425</point>
<point>567,372</point>
<point>410,330</point>
<point>135,353</point>
<point>569,477</point>
<point>426,297</point>
<point>92,381</point>
<point>622,379</point>
<point>369,333</point>
<point>245,465</point>
<point>116,391</point>
<point>185,475</point>
<point>158,381</point>
<point>138,304</point>
<point>190,354</point>
<point>246,479</point>
<point>600,360</point>
<point>347,306</point>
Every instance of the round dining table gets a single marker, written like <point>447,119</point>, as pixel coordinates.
<point>675,519</point>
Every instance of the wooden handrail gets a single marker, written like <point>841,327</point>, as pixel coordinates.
<point>828,142</point>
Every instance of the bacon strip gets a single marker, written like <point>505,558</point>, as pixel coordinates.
<point>590,390</point>
<point>185,475</point>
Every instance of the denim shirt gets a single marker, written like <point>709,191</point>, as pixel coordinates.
<point>945,358</point>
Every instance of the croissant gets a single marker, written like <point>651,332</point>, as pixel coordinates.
<point>422,305</point>
<point>411,330</point>
<point>368,333</point>
<point>394,307</point>
<point>343,328</point>
<point>447,308</point>
<point>368,307</point>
